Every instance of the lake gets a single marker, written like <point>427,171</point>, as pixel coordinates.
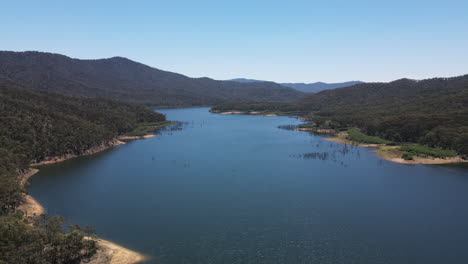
<point>238,189</point>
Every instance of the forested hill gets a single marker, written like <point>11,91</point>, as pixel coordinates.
<point>40,124</point>
<point>35,125</point>
<point>433,112</point>
<point>397,93</point>
<point>123,79</point>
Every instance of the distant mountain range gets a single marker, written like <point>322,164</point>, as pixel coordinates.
<point>306,87</point>
<point>123,79</point>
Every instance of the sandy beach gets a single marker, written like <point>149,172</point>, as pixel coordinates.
<point>392,153</point>
<point>30,207</point>
<point>135,137</point>
<point>111,253</point>
<point>232,113</point>
<point>243,113</point>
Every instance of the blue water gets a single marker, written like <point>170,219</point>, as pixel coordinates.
<point>237,189</point>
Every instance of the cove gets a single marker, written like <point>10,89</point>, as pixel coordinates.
<point>239,189</point>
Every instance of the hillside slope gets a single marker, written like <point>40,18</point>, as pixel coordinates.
<point>123,79</point>
<point>37,125</point>
<point>433,112</point>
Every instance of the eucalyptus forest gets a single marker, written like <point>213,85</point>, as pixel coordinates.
<point>37,125</point>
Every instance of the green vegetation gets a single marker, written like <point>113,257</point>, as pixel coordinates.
<point>425,151</point>
<point>145,128</point>
<point>307,125</point>
<point>431,112</point>
<point>126,80</point>
<point>43,241</point>
<point>407,156</point>
<point>355,134</point>
<point>37,125</point>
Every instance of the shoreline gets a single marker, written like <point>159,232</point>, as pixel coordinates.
<point>390,153</point>
<point>393,154</point>
<point>112,253</point>
<point>353,143</point>
<point>135,137</point>
<point>93,150</point>
<point>30,206</point>
<point>107,252</point>
<point>110,144</point>
<point>243,113</point>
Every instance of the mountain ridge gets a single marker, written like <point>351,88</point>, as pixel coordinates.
<point>127,80</point>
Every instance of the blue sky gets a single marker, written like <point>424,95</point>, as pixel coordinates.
<point>284,41</point>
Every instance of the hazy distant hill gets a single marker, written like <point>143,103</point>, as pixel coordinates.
<point>319,86</point>
<point>306,87</point>
<point>123,79</point>
<point>243,80</point>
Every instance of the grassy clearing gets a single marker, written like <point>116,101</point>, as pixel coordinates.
<point>424,151</point>
<point>355,135</point>
<point>389,152</point>
<point>145,128</point>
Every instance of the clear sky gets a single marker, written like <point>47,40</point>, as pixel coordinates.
<point>283,41</point>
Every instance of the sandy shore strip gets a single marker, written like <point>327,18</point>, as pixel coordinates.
<point>243,113</point>
<point>90,151</point>
<point>109,252</point>
<point>427,161</point>
<point>30,206</point>
<point>232,113</point>
<point>136,137</point>
<point>392,153</point>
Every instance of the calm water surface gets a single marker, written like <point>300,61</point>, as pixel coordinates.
<point>237,189</point>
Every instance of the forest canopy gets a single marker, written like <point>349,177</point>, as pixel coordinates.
<point>37,125</point>
<point>126,80</point>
